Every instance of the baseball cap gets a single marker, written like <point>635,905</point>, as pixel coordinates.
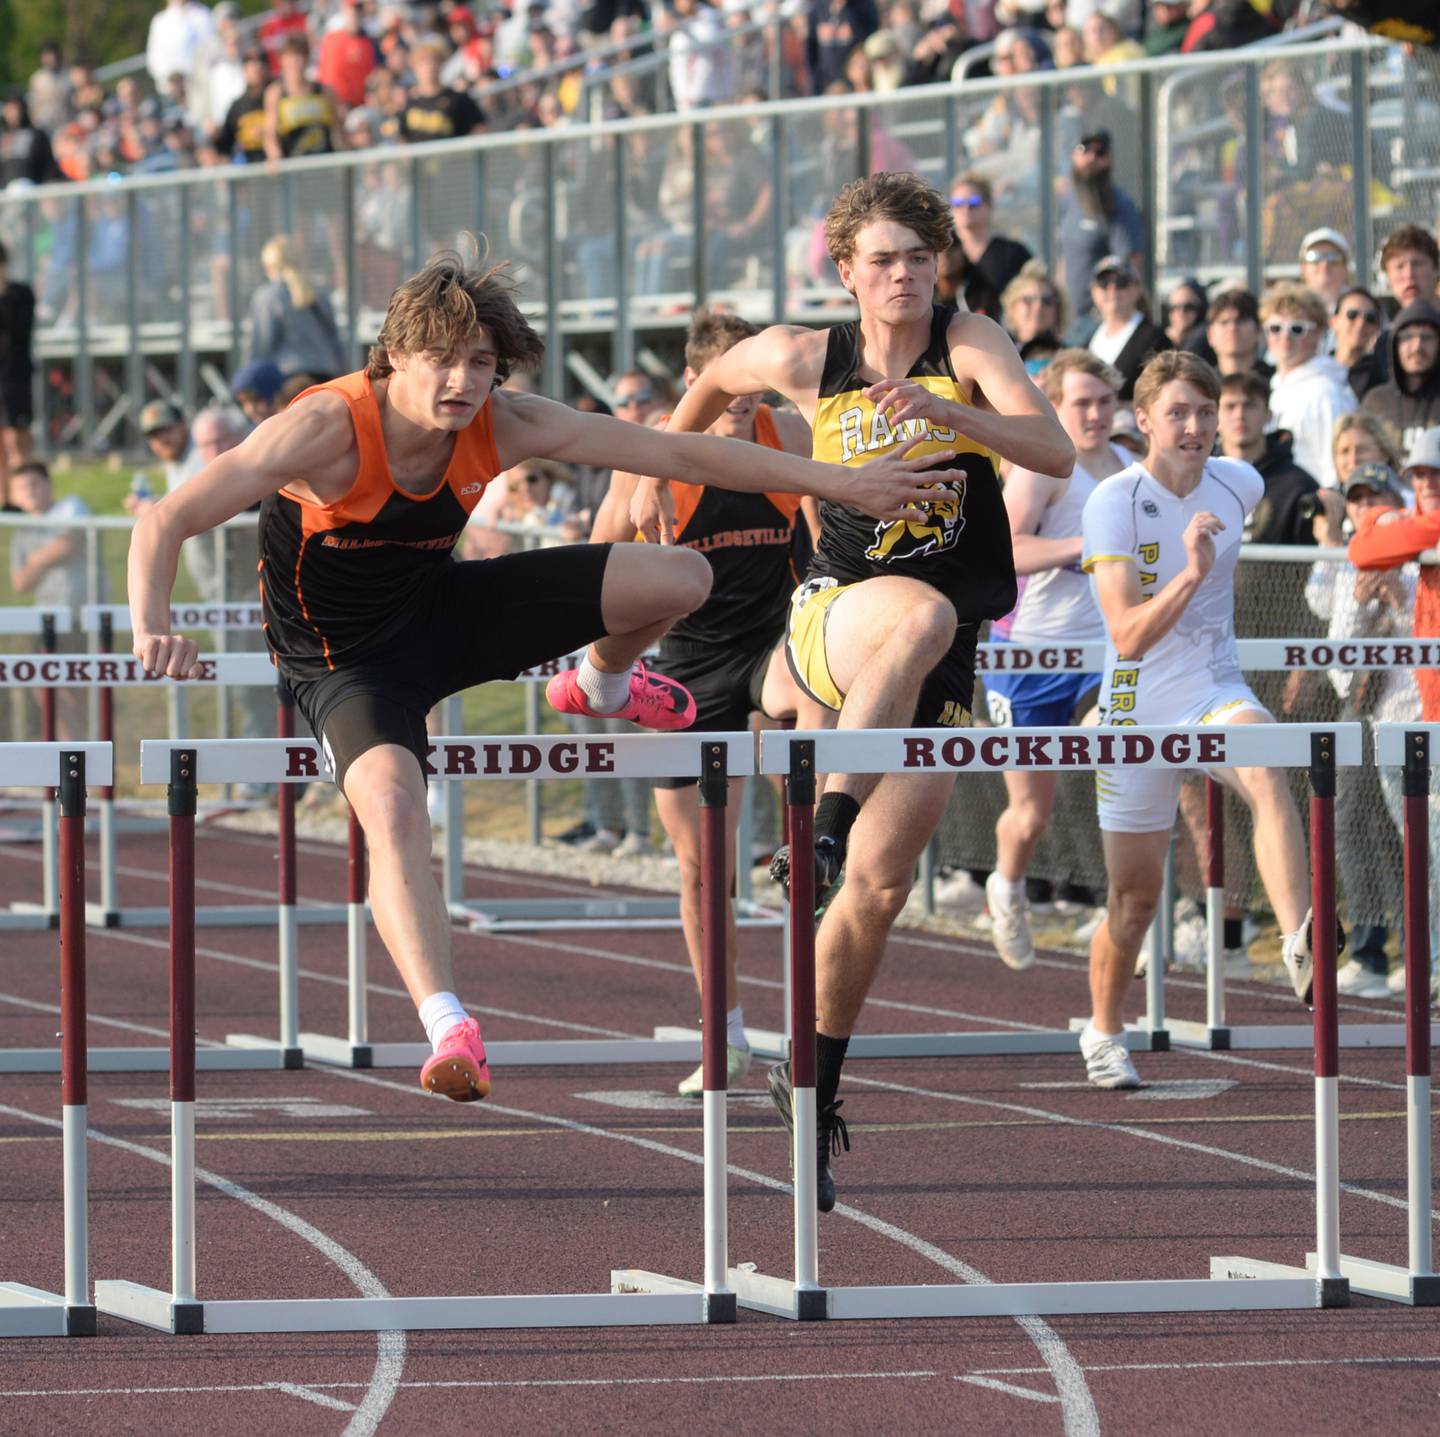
<point>1097,137</point>
<point>259,377</point>
<point>1326,235</point>
<point>1424,452</point>
<point>1123,426</point>
<point>159,414</point>
<point>1379,477</point>
<point>1114,264</point>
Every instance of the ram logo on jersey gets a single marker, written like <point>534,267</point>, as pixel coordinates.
<point>937,526</point>
<point>854,440</point>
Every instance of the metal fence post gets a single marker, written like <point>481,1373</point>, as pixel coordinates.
<point>699,257</point>
<point>1254,185</point>
<point>1360,157</point>
<point>622,353</point>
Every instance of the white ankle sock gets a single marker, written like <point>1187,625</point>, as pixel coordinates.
<point>605,693</point>
<point>439,1013</point>
<point>735,1027</point>
<point>1012,893</point>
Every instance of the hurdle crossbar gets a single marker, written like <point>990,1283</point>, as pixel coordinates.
<point>1235,1283</point>
<point>707,757</point>
<point>27,1311</point>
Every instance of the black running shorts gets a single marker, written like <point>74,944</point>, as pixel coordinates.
<point>725,679</point>
<point>484,620</point>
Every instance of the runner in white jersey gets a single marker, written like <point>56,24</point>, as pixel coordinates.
<point>1161,540</point>
<point>1056,606</point>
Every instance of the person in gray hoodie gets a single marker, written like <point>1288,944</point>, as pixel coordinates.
<point>1410,401</point>
<point>291,323</point>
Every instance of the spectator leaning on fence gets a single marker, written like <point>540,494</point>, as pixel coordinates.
<point>1310,390</point>
<point>1410,401</point>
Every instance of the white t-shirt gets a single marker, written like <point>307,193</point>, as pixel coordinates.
<point>1060,603</point>
<point>1133,518</point>
<point>1108,346</point>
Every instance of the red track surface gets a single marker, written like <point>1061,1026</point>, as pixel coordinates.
<point>962,1169</point>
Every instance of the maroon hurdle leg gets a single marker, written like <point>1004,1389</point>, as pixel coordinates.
<point>1215,914</point>
<point>49,853</point>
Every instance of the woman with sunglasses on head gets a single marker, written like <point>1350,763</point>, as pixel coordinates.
<point>1184,313</point>
<point>1310,390</point>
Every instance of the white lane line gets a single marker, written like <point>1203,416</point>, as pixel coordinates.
<point>467,1383</point>
<point>1390,1361</point>
<point>1078,1413</point>
<point>390,1353</point>
<point>1147,1134</point>
<point>309,1394</point>
<point>1010,1389</point>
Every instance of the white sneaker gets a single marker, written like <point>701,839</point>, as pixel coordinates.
<point>1010,931</point>
<point>737,1065</point>
<point>1395,982</point>
<point>1107,1060</point>
<point>1355,980</point>
<point>1299,963</point>
<point>604,840</point>
<point>633,845</point>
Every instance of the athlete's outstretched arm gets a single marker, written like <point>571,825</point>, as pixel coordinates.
<point>1015,419</point>
<point>782,358</point>
<point>300,441</point>
<point>526,425</point>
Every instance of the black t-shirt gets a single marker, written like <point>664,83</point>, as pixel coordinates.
<point>1282,516</point>
<point>17,329</point>
<point>445,116</point>
<point>985,280</point>
<point>244,129</point>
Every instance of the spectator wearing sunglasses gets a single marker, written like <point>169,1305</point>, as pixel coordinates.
<point>1184,313</point>
<point>1325,264</point>
<point>1097,218</point>
<point>1354,327</point>
<point>1410,401</point>
<point>980,264</point>
<point>1310,390</point>
<point>1125,336</point>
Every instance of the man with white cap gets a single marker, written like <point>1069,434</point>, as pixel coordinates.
<point>1325,264</point>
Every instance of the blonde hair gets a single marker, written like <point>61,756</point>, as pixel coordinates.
<point>1172,364</point>
<point>1382,433</point>
<point>1076,361</point>
<point>276,256</point>
<point>1295,299</point>
<point>1034,274</point>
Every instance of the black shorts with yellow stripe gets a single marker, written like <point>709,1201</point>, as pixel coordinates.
<point>947,694</point>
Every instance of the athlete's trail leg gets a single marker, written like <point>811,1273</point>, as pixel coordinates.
<point>387,791</point>
<point>1135,867</point>
<point>645,590</point>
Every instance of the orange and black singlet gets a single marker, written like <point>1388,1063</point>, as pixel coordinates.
<point>747,539</point>
<point>960,544</point>
<point>339,581</point>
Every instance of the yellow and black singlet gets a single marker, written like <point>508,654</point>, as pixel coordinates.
<point>960,544</point>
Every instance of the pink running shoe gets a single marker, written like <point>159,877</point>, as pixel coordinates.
<point>458,1069</point>
<point>655,701</point>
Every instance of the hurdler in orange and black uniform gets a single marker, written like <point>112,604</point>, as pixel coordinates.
<point>369,619</point>
<point>721,652</point>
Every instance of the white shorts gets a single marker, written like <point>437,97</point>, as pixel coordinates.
<point>1145,800</point>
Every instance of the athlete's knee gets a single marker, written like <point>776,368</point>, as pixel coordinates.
<point>392,814</point>
<point>928,628</point>
<point>883,891</point>
<point>688,578</point>
<point>1129,914</point>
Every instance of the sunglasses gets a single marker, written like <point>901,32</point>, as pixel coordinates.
<point>1045,299</point>
<point>1295,328</point>
<point>640,396</point>
<point>1183,306</point>
<point>966,202</point>
<point>1322,256</point>
<point>1113,281</point>
<point>1366,316</point>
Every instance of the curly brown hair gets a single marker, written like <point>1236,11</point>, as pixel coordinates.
<point>889,195</point>
<point>445,304</point>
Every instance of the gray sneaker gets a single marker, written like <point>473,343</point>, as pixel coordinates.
<point>1107,1060</point>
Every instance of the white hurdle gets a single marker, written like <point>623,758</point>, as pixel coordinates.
<point>1234,1284</point>
<point>43,622</point>
<point>712,758</point>
<point>1409,747</point>
<point>27,1311</point>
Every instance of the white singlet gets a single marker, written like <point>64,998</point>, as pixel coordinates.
<point>1059,604</point>
<point>1192,675</point>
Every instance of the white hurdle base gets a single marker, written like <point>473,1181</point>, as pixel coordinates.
<point>27,918</point>
<point>1287,1290</point>
<point>149,1307</point>
<point>1286,1035</point>
<point>224,915</point>
<point>527,915</point>
<point>340,1052</point>
<point>1387,1280</point>
<point>1331,1291</point>
<point>260,1057</point>
<point>766,1043</point>
<point>31,1312</point>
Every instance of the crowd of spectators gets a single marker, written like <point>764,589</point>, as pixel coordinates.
<point>350,74</point>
